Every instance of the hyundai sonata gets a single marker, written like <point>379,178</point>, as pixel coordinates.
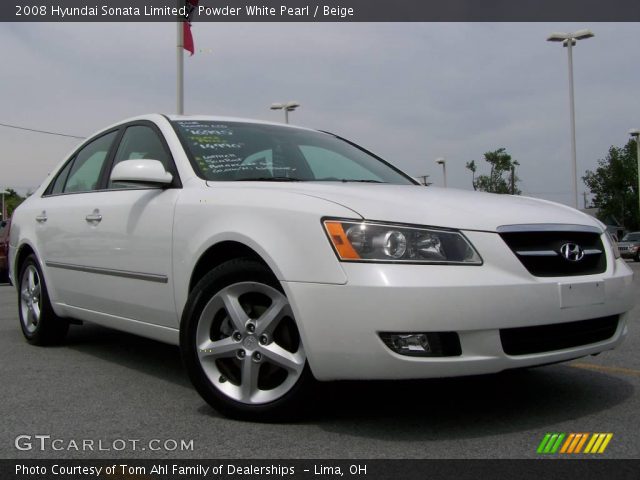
<point>275,256</point>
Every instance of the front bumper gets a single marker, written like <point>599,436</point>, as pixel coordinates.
<point>339,324</point>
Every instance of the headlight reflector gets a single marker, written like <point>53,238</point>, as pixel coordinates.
<point>380,242</point>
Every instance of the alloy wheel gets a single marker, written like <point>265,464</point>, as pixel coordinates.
<point>248,344</point>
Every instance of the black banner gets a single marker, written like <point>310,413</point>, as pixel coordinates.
<point>322,10</point>
<point>584,469</point>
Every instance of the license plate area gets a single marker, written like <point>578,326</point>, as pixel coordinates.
<point>581,294</point>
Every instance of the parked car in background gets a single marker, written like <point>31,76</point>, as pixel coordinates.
<point>5,226</point>
<point>276,256</point>
<point>629,246</point>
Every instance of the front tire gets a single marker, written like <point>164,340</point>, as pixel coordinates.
<point>241,345</point>
<point>40,325</point>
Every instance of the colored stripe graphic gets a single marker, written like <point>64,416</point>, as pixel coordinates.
<point>583,439</point>
<point>566,445</point>
<point>543,443</point>
<point>550,443</point>
<point>607,439</point>
<point>598,442</point>
<point>573,443</point>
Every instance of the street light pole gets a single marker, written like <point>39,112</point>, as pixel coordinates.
<point>572,109</point>
<point>287,107</point>
<point>569,40</point>
<point>635,133</point>
<point>443,162</point>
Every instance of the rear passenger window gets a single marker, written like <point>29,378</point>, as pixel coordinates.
<point>140,142</point>
<point>85,172</point>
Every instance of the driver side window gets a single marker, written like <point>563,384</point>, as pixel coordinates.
<point>84,175</point>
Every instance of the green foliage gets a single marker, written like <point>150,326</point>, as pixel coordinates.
<point>614,185</point>
<point>502,177</point>
<point>11,200</point>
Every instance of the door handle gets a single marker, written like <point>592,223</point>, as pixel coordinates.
<point>94,217</point>
<point>42,217</point>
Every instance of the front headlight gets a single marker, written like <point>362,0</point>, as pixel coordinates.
<point>379,242</point>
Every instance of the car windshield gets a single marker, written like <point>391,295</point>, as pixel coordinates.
<point>234,151</point>
<point>631,237</point>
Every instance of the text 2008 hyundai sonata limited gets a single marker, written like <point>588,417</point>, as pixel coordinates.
<point>274,255</point>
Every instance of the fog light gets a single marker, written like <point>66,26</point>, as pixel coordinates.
<point>411,343</point>
<point>423,344</point>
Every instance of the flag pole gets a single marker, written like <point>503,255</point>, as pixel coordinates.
<point>180,67</point>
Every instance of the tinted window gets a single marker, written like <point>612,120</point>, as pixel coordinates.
<point>326,164</point>
<point>85,172</point>
<point>61,178</point>
<point>228,151</point>
<point>140,142</point>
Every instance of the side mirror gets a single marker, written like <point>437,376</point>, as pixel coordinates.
<point>141,171</point>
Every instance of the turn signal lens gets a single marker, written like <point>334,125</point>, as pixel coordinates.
<point>340,241</point>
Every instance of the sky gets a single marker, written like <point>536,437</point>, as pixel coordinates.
<point>410,92</point>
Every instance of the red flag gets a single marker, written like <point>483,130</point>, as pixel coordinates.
<point>187,38</point>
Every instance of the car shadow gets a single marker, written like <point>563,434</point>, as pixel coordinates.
<point>467,407</point>
<point>131,351</point>
<point>436,409</point>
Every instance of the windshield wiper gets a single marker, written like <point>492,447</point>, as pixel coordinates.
<point>345,180</point>
<point>267,179</point>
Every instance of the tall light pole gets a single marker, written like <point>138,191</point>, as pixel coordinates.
<point>287,107</point>
<point>180,68</point>
<point>635,133</point>
<point>569,40</point>
<point>443,162</point>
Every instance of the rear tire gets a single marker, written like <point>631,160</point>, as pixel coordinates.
<point>39,323</point>
<point>241,345</point>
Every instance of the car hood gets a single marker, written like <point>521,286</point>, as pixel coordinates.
<point>441,207</point>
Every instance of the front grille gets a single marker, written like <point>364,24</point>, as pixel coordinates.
<point>540,252</point>
<point>547,338</point>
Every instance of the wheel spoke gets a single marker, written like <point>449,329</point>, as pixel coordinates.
<point>36,313</point>
<point>235,311</point>
<point>31,316</point>
<point>25,295</point>
<point>269,320</point>
<point>36,291</point>
<point>225,348</point>
<point>31,281</point>
<point>277,355</point>
<point>249,382</point>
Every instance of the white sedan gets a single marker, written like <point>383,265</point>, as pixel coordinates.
<point>276,256</point>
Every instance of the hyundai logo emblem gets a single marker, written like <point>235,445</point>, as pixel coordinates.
<point>572,252</point>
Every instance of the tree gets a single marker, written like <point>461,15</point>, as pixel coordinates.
<point>614,185</point>
<point>472,166</point>
<point>11,201</point>
<point>502,177</point>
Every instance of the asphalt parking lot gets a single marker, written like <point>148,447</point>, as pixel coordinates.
<point>105,386</point>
